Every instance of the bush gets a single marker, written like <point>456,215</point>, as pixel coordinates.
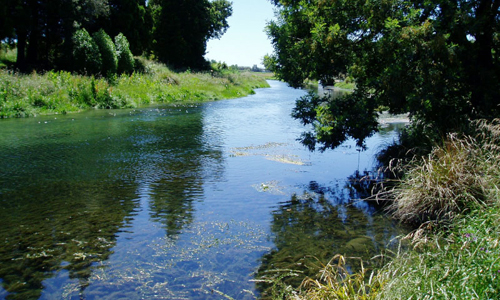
<point>139,65</point>
<point>108,53</point>
<point>125,57</point>
<point>454,179</point>
<point>86,55</point>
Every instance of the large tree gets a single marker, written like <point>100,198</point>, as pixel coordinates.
<point>436,59</point>
<point>182,29</point>
<point>133,19</point>
<point>41,27</point>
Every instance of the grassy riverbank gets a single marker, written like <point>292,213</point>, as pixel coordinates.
<point>453,196</point>
<point>25,95</point>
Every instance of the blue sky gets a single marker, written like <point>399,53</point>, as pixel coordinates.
<point>245,42</point>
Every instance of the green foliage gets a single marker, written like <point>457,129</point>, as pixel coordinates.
<point>7,55</point>
<point>219,11</point>
<point>108,53</point>
<point>182,29</point>
<point>61,92</point>
<point>86,55</point>
<point>336,282</point>
<point>133,19</point>
<point>331,122</point>
<point>437,60</point>
<point>125,58</point>
<point>43,30</point>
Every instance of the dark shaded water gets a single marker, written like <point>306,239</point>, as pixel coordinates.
<point>174,202</point>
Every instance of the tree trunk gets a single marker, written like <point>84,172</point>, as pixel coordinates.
<point>21,50</point>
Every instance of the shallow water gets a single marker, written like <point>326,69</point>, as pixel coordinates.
<point>175,202</point>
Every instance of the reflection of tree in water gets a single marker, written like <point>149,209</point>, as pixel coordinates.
<point>311,228</point>
<point>70,231</point>
<point>179,168</point>
<point>172,199</point>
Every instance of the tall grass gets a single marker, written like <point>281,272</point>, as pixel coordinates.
<point>463,263</point>
<point>458,259</point>
<point>24,95</point>
<point>453,179</point>
<point>336,282</point>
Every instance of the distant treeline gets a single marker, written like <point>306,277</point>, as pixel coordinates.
<point>54,34</point>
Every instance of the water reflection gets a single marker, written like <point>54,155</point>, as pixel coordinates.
<point>310,228</point>
<point>69,187</point>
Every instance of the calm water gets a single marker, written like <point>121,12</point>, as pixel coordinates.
<point>175,202</point>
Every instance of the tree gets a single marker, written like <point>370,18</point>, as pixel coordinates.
<point>86,55</point>
<point>182,29</point>
<point>125,57</point>
<point>133,19</point>
<point>108,53</point>
<point>44,29</point>
<point>436,59</point>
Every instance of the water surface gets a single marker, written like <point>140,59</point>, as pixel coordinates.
<point>175,202</point>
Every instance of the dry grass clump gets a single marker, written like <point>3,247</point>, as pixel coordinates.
<point>452,179</point>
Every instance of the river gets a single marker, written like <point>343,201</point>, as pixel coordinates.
<point>176,202</point>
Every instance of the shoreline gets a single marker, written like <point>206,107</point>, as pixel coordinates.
<point>61,92</point>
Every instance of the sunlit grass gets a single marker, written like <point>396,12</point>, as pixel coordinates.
<point>8,56</point>
<point>463,263</point>
<point>24,95</point>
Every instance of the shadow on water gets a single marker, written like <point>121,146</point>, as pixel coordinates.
<point>312,227</point>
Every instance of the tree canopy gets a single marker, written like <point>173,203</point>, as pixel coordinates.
<point>435,59</point>
<point>176,32</point>
<point>182,29</point>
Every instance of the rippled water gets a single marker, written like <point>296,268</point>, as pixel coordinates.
<point>184,202</point>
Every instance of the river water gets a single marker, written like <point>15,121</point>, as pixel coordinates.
<point>176,202</point>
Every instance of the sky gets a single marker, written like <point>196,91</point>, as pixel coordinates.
<point>245,43</point>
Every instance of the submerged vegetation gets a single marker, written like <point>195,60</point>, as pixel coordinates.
<point>24,95</point>
<point>452,197</point>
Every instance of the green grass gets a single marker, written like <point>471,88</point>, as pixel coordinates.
<point>346,85</point>
<point>463,263</point>
<point>454,195</point>
<point>7,56</point>
<point>25,95</point>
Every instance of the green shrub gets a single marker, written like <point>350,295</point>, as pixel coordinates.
<point>86,55</point>
<point>125,57</point>
<point>139,65</point>
<point>108,53</point>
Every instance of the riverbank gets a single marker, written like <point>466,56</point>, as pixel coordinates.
<point>453,197</point>
<point>27,95</point>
